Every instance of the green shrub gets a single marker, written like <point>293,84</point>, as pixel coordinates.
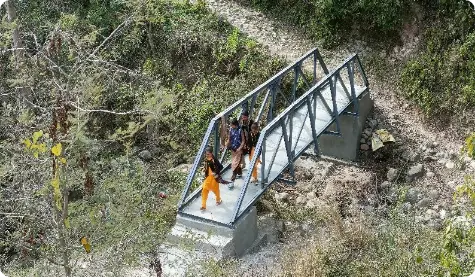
<point>442,82</point>
<point>470,146</point>
<point>334,20</point>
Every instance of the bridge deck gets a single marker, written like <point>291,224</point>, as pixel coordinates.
<point>273,144</point>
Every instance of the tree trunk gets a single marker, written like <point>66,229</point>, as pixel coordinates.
<point>62,234</point>
<point>11,17</point>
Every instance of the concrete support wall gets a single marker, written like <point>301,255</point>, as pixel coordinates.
<point>346,147</point>
<point>220,240</point>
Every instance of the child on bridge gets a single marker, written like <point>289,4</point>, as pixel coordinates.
<point>211,183</point>
<point>252,143</point>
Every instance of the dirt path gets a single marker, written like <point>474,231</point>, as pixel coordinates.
<point>279,40</point>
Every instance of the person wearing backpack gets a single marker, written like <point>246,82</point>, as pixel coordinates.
<point>236,143</point>
<point>212,169</point>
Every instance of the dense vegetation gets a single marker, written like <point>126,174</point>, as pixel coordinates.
<point>440,80</point>
<point>337,21</point>
<point>86,86</point>
<point>90,85</point>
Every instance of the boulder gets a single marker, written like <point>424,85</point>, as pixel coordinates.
<point>281,197</point>
<point>301,200</point>
<point>414,172</point>
<point>434,194</point>
<point>412,195</point>
<point>450,165</point>
<point>364,147</point>
<point>145,155</point>
<point>392,174</point>
<point>311,195</point>
<point>183,168</point>
<point>385,185</point>
<point>423,203</point>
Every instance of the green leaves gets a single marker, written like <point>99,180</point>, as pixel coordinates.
<point>34,146</point>
<point>441,79</point>
<point>470,146</point>
<point>56,150</point>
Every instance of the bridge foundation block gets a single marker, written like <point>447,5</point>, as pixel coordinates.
<point>219,241</point>
<point>347,146</point>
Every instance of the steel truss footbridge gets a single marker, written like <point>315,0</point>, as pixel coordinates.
<point>294,108</point>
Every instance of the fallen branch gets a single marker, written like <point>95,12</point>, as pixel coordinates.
<point>12,215</point>
<point>108,111</point>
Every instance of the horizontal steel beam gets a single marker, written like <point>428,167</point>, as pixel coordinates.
<point>269,82</point>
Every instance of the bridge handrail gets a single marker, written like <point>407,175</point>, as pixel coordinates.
<point>213,124</point>
<point>267,130</point>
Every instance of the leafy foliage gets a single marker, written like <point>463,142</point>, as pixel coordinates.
<point>441,79</point>
<point>333,21</point>
<point>470,145</point>
<point>101,81</point>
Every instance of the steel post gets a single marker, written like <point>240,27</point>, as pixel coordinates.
<point>351,75</point>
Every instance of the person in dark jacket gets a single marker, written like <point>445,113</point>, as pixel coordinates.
<point>245,125</point>
<point>236,144</point>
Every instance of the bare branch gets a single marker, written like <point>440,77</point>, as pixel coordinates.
<point>14,49</point>
<point>12,215</point>
<point>118,66</point>
<point>53,63</point>
<point>107,111</point>
<point>126,22</point>
<point>53,261</point>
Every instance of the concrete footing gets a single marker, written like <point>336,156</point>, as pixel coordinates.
<point>346,147</point>
<point>201,240</point>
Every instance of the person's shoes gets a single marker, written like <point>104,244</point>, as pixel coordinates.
<point>202,209</point>
<point>253,180</point>
<point>219,202</point>
<point>233,177</point>
<point>231,186</point>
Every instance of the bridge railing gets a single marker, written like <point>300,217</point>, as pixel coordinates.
<point>263,104</point>
<point>281,142</point>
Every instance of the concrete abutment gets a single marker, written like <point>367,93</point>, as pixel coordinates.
<point>346,146</point>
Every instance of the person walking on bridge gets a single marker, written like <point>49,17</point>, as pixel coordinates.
<point>236,143</point>
<point>245,124</point>
<point>211,183</point>
<point>251,144</point>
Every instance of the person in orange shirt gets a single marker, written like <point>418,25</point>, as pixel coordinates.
<point>252,143</point>
<point>212,169</point>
